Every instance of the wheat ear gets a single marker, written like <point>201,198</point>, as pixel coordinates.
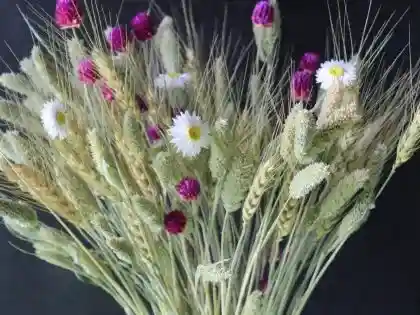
<point>261,183</point>
<point>408,143</point>
<point>35,183</point>
<point>81,163</point>
<point>287,218</point>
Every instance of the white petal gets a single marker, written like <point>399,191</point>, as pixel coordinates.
<point>160,81</point>
<point>107,31</point>
<point>179,134</point>
<point>165,81</point>
<point>326,80</point>
<point>48,117</point>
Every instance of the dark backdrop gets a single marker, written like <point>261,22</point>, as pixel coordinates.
<point>378,270</point>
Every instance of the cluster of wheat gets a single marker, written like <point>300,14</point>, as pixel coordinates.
<point>178,189</point>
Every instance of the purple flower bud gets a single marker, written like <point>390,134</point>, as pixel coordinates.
<point>301,86</point>
<point>188,188</point>
<point>142,26</point>
<point>141,104</point>
<point>175,222</point>
<point>117,38</point>
<point>153,133</point>
<point>263,284</point>
<point>86,71</point>
<point>263,14</point>
<point>310,62</point>
<point>68,14</point>
<point>107,92</point>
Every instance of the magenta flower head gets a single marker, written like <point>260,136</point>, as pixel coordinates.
<point>153,133</point>
<point>188,188</point>
<point>86,71</point>
<point>141,104</point>
<point>301,86</point>
<point>68,14</point>
<point>175,222</point>
<point>118,38</point>
<point>142,26</point>
<point>263,14</point>
<point>107,93</point>
<point>310,62</point>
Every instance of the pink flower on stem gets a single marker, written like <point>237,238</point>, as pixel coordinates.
<point>86,71</point>
<point>153,133</point>
<point>188,188</point>
<point>263,14</point>
<point>142,26</point>
<point>118,38</point>
<point>310,62</point>
<point>107,92</point>
<point>301,86</point>
<point>68,14</point>
<point>175,222</point>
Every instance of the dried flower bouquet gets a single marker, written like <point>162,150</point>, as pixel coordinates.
<point>178,188</point>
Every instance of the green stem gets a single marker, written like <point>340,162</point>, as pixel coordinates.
<point>255,257</point>
<point>317,277</point>
<point>235,260</point>
<point>313,268</point>
<point>189,270</point>
<point>124,296</point>
<point>304,252</point>
<point>394,169</point>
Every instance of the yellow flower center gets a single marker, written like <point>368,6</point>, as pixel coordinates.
<point>194,133</point>
<point>173,75</point>
<point>336,71</point>
<point>60,118</point>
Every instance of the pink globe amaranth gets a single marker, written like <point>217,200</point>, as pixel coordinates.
<point>86,71</point>
<point>118,38</point>
<point>142,26</point>
<point>68,14</point>
<point>188,188</point>
<point>107,93</point>
<point>301,86</point>
<point>153,133</point>
<point>263,14</point>
<point>175,222</point>
<point>310,62</point>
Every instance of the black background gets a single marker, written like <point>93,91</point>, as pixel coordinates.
<point>378,271</point>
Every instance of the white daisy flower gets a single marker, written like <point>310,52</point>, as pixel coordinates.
<point>172,80</point>
<point>333,70</point>
<point>53,116</point>
<point>189,134</point>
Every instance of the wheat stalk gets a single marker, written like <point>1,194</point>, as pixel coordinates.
<point>35,183</point>
<point>262,181</point>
